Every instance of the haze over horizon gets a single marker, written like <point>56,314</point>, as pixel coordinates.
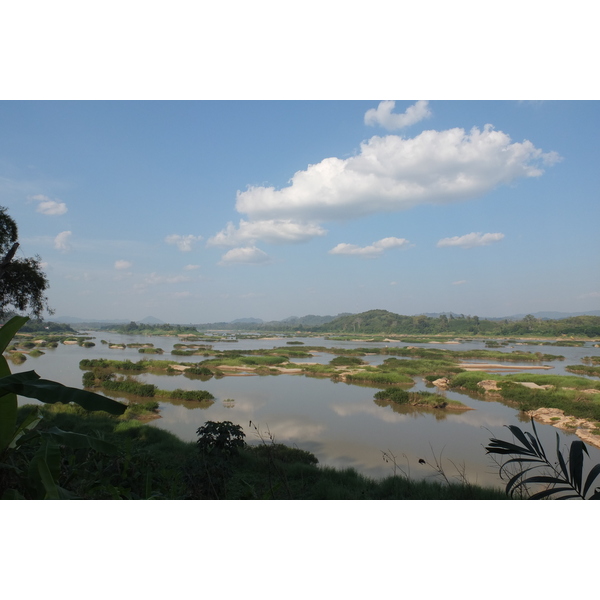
<point>208,211</point>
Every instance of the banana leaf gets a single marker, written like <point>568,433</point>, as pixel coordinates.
<point>30,385</point>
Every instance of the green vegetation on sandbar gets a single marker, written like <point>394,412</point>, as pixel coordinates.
<point>129,385</point>
<point>423,399</point>
<point>346,361</point>
<point>43,340</point>
<point>134,328</point>
<point>566,392</point>
<point>584,370</point>
<point>151,463</point>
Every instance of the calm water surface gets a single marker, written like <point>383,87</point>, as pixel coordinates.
<point>340,423</point>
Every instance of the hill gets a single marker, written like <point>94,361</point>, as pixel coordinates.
<point>289,324</point>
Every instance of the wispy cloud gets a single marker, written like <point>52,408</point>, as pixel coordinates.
<point>461,282</point>
<point>250,255</point>
<point>183,242</point>
<point>61,241</point>
<point>471,240</point>
<point>373,251</point>
<point>191,267</point>
<point>154,279</point>
<point>47,206</point>
<point>383,115</point>
<point>589,295</point>
<point>122,265</point>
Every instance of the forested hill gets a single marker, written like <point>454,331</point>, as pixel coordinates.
<point>306,323</point>
<point>383,321</point>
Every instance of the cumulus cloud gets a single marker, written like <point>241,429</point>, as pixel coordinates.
<point>471,240</point>
<point>249,255</point>
<point>393,173</point>
<point>122,265</point>
<point>61,241</point>
<point>47,206</point>
<point>373,251</point>
<point>183,242</point>
<point>274,231</point>
<point>382,115</point>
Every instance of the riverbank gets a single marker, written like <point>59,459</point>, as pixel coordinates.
<point>154,464</point>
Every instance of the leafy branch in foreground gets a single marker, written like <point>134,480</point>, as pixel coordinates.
<point>39,473</point>
<point>561,483</point>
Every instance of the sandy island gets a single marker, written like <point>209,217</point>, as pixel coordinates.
<point>492,367</point>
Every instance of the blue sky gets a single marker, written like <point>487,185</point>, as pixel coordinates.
<point>201,211</point>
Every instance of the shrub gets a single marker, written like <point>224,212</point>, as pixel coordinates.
<point>221,436</point>
<point>285,454</point>
<point>130,386</point>
<point>346,361</point>
<point>202,371</point>
<point>198,395</point>
<point>393,395</point>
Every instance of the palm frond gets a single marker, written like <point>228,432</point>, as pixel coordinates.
<point>563,483</point>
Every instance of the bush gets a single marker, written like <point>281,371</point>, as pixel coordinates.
<point>285,454</point>
<point>129,386</point>
<point>393,395</point>
<point>221,436</point>
<point>202,371</point>
<point>198,395</point>
<point>346,361</point>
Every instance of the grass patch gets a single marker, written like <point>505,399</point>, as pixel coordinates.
<point>590,371</point>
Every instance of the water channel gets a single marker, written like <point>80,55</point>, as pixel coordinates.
<point>340,423</point>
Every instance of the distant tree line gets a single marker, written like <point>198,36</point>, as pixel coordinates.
<point>134,328</point>
<point>382,321</point>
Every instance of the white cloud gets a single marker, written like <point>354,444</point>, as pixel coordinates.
<point>461,282</point>
<point>183,242</point>
<point>589,295</point>
<point>49,207</point>
<point>122,265</point>
<point>61,241</point>
<point>191,267</point>
<point>250,255</point>
<point>274,231</point>
<point>392,173</point>
<point>471,240</point>
<point>374,250</point>
<point>382,115</point>
<point>155,279</point>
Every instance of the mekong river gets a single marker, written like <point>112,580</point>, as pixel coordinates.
<point>340,423</point>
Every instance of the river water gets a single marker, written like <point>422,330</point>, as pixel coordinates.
<point>338,422</point>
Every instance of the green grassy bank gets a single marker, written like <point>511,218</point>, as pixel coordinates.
<point>154,464</point>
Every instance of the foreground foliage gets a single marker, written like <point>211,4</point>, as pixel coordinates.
<point>562,483</point>
<point>30,456</point>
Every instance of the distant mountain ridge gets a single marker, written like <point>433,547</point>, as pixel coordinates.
<point>311,321</point>
<point>290,323</point>
<point>78,321</point>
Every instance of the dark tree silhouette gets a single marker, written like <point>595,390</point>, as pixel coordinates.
<point>22,281</point>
